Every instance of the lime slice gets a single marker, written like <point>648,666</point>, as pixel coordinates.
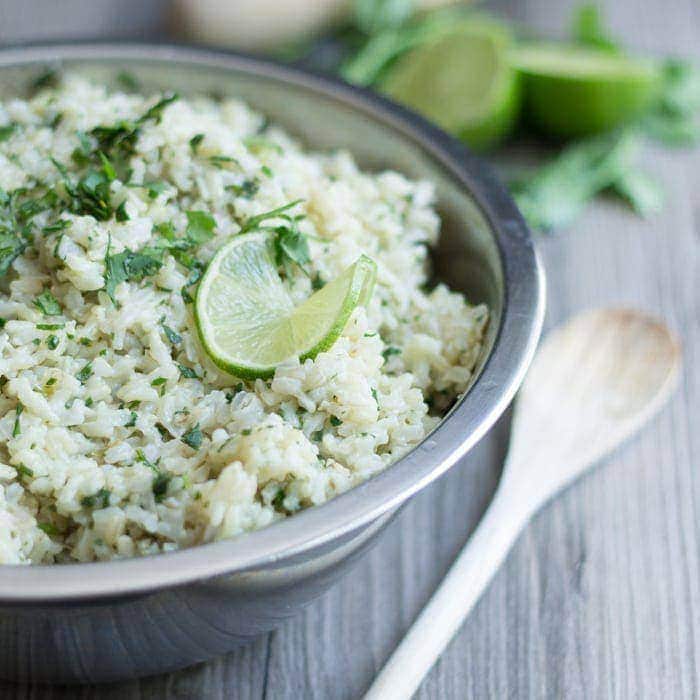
<point>571,91</point>
<point>462,81</point>
<point>247,321</point>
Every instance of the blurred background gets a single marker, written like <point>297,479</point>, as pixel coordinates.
<point>575,104</point>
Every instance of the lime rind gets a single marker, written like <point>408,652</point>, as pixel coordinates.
<point>245,317</point>
<point>462,80</point>
<point>573,92</point>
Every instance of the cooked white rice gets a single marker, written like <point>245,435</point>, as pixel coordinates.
<point>94,401</point>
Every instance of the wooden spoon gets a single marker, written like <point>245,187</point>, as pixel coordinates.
<point>592,384</point>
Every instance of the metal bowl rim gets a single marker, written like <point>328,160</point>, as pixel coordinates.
<point>502,374</point>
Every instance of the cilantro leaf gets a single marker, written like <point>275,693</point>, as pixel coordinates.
<point>11,247</point>
<point>129,266</point>
<point>160,485</point>
<point>291,246</point>
<point>17,429</point>
<point>195,141</point>
<point>99,499</point>
<point>554,195</point>
<point>187,372</point>
<point>247,189</point>
<point>254,221</point>
<point>156,111</point>
<point>120,213</point>
<point>48,304</point>
<point>85,373</point>
<point>200,226</point>
<point>107,167</point>
<point>7,131</point>
<point>674,118</point>
<point>172,336</point>
<point>193,437</point>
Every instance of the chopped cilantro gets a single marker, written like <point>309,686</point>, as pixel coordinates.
<point>248,188</point>
<point>85,373</point>
<point>388,352</point>
<point>317,282</point>
<point>7,131</point>
<point>187,372</point>
<point>172,336</point>
<point>246,431</point>
<point>278,501</point>
<point>48,304</point>
<point>195,141</point>
<point>60,225</point>
<point>254,222</point>
<point>132,420</point>
<point>23,471</point>
<point>100,498</point>
<point>266,171</point>
<point>50,326</point>
<point>52,342</point>
<point>120,213</point>
<point>129,266</point>
<point>160,482</point>
<point>156,111</point>
<point>193,437</point>
<point>160,485</point>
<point>107,167</point>
<point>335,421</point>
<point>17,428</point>
<point>200,226</point>
<point>48,528</point>
<point>291,246</point>
<point>155,188</point>
<point>375,397</point>
<point>51,381</point>
<point>317,435</point>
<point>219,161</point>
<point>159,381</point>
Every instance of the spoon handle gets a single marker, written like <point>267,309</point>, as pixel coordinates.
<point>466,580</point>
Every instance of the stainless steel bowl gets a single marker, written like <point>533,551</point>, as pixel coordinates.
<point>109,621</point>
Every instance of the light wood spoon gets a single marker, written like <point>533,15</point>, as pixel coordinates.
<point>592,384</point>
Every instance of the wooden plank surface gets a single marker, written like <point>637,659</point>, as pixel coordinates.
<point>601,595</point>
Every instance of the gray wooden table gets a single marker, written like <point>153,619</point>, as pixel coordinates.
<point>601,595</point>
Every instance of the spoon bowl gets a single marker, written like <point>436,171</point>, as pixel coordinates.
<point>593,383</point>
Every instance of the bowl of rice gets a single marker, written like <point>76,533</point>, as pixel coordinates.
<point>152,496</point>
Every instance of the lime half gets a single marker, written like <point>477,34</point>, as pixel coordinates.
<point>462,81</point>
<point>247,321</point>
<point>571,91</point>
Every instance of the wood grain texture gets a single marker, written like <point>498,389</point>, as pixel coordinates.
<point>601,595</point>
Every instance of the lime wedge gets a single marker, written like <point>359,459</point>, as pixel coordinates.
<point>247,321</point>
<point>462,81</point>
<point>571,91</point>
